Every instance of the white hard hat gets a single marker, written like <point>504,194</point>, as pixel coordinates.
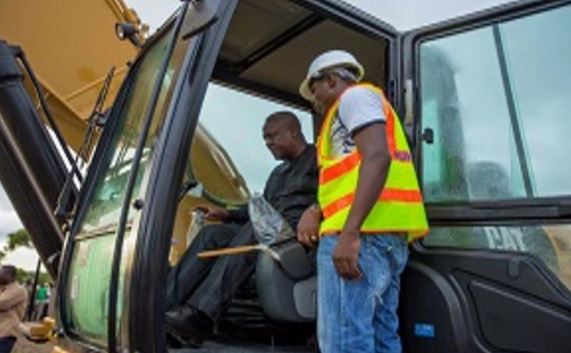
<point>331,58</point>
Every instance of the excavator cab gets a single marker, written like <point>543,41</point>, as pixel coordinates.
<point>183,129</point>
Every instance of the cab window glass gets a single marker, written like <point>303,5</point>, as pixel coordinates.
<point>235,120</point>
<point>496,99</point>
<point>90,268</point>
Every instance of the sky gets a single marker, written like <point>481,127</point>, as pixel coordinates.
<point>402,14</point>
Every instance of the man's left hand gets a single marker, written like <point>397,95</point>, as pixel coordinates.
<point>308,227</point>
<point>346,255</point>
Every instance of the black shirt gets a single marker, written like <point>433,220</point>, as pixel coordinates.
<point>291,188</point>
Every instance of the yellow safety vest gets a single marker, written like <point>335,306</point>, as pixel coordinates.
<point>399,208</point>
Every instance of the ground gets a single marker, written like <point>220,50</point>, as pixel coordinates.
<point>25,346</point>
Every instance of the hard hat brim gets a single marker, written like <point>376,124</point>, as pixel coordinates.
<point>305,90</point>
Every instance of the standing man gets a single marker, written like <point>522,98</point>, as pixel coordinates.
<point>200,290</point>
<point>42,302</point>
<point>369,206</point>
<point>13,299</point>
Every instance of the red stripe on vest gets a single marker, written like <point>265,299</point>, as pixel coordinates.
<point>398,195</point>
<point>338,169</point>
<point>391,141</point>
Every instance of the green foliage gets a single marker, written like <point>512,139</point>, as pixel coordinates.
<point>15,240</point>
<point>18,239</point>
<point>23,276</point>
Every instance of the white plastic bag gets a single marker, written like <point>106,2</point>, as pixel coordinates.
<point>269,226</point>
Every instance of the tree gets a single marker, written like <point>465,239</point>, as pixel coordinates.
<point>22,276</point>
<point>18,239</point>
<point>15,240</point>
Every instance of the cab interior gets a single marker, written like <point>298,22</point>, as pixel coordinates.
<point>263,58</point>
<point>270,44</point>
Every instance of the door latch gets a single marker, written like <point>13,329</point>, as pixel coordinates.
<point>427,135</point>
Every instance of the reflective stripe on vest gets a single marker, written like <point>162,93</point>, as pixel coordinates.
<point>399,207</point>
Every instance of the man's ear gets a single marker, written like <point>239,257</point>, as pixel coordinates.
<point>331,81</point>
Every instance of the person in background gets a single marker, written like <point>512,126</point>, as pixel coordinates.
<point>42,301</point>
<point>13,301</point>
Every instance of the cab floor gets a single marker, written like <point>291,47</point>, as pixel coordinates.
<point>229,347</point>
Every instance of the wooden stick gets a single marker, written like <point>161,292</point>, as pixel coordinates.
<point>229,251</point>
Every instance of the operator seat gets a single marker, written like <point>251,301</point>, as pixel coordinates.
<point>287,289</point>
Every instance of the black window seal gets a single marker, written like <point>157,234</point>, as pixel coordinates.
<point>494,211</point>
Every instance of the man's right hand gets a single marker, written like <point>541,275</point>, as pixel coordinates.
<point>308,226</point>
<point>213,213</point>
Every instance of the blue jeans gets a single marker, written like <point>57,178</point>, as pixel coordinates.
<point>361,316</point>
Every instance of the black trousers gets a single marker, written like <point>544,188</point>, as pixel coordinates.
<point>210,284</point>
<point>7,343</point>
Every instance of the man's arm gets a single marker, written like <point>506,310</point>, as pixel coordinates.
<point>11,297</point>
<point>215,213</point>
<point>371,143</point>
<point>238,215</point>
<point>308,226</point>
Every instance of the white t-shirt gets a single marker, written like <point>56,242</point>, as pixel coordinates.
<point>359,107</point>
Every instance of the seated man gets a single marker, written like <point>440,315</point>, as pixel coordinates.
<point>200,290</point>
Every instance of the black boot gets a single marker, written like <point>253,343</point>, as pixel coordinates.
<point>188,326</point>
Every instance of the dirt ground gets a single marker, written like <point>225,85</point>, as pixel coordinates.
<point>25,346</point>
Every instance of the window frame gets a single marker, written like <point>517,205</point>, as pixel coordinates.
<point>97,169</point>
<point>101,159</point>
